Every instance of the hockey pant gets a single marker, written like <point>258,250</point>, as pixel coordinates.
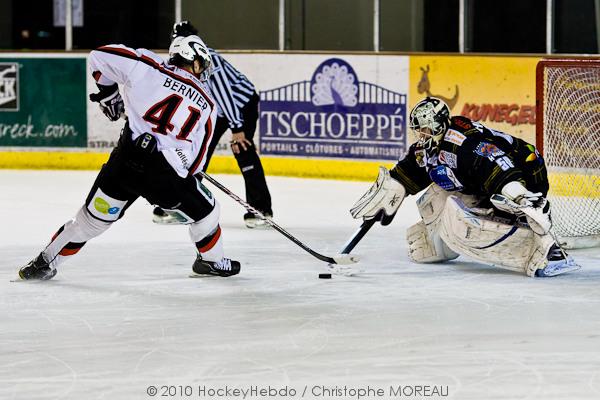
<point>453,225</point>
<point>257,191</point>
<point>129,174</point>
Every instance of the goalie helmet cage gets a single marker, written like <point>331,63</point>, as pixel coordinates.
<point>568,136</point>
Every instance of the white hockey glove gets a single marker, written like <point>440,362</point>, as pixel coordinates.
<point>110,101</point>
<point>385,196</point>
<point>516,199</point>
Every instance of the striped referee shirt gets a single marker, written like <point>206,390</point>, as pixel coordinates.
<point>231,90</point>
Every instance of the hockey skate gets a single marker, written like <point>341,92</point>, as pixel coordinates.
<point>224,267</point>
<point>557,263</point>
<point>252,221</point>
<point>37,269</point>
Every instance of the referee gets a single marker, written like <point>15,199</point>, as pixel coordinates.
<point>238,110</point>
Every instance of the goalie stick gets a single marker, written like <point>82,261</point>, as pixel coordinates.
<point>360,233</point>
<point>353,241</point>
<point>337,259</point>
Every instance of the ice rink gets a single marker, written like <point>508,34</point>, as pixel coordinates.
<point>123,315</point>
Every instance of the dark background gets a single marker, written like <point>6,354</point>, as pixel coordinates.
<point>507,26</point>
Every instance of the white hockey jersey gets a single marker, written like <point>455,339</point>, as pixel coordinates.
<point>161,99</point>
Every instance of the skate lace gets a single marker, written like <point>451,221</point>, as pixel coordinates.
<point>224,264</point>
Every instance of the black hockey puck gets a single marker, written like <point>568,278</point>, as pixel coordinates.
<point>324,276</point>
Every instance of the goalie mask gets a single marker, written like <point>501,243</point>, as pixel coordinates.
<point>430,120</point>
<point>186,50</point>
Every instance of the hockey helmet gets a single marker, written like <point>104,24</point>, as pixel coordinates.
<point>430,119</point>
<point>187,49</point>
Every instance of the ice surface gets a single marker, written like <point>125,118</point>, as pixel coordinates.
<point>122,314</point>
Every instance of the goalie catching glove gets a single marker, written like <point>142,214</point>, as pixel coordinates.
<point>516,199</point>
<point>110,101</point>
<point>385,196</point>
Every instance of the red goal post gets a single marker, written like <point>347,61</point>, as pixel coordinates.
<point>568,136</point>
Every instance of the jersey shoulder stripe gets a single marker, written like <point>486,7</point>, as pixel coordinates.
<point>160,67</point>
<point>119,51</point>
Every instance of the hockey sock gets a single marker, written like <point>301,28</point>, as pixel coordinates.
<point>72,236</point>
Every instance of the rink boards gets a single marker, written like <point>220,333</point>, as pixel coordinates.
<point>280,166</point>
<point>305,128</point>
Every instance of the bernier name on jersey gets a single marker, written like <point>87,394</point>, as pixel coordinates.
<point>187,91</point>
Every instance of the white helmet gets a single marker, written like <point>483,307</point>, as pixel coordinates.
<point>184,50</point>
<point>430,120</point>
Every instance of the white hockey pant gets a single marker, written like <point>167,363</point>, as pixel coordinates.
<point>71,237</point>
<point>487,240</point>
<point>206,234</point>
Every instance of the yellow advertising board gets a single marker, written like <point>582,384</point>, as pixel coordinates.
<point>497,91</point>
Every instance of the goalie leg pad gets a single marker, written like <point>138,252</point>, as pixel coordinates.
<point>424,242</point>
<point>492,242</point>
<point>426,246</point>
<point>431,204</point>
<point>539,254</point>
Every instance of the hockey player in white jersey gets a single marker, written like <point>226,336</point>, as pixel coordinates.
<point>485,197</point>
<point>170,120</point>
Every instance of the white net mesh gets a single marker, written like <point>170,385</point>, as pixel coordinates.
<point>571,147</point>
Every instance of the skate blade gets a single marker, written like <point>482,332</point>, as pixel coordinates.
<point>29,281</point>
<point>567,267</point>
<point>196,276</point>
<point>168,220</point>
<point>259,224</point>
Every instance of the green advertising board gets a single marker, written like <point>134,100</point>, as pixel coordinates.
<point>42,102</point>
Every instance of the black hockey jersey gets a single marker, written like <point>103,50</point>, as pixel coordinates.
<point>473,159</point>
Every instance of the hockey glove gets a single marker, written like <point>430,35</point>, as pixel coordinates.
<point>385,195</point>
<point>516,199</point>
<point>183,28</point>
<point>110,101</point>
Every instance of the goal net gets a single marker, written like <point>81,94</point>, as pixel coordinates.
<point>568,135</point>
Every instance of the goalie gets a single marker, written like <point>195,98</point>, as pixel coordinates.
<point>485,197</point>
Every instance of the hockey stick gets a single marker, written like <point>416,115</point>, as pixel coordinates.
<point>338,259</point>
<point>353,241</point>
